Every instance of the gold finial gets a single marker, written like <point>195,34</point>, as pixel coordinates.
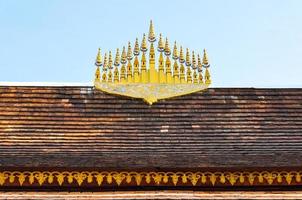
<point>188,60</point>
<point>205,61</point>
<point>175,53</point>
<point>181,56</point>
<point>136,48</point>
<point>207,77</point>
<point>124,56</point>
<point>144,47</point>
<point>129,52</point>
<point>105,65</point>
<point>110,61</point>
<point>117,58</point>
<point>199,64</point>
<point>151,36</point>
<point>98,60</point>
<point>97,73</point>
<point>160,46</point>
<point>193,60</point>
<point>167,48</point>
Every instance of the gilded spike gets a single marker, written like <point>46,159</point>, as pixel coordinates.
<point>136,48</point>
<point>169,78</point>
<point>129,52</point>
<point>175,52</point>
<point>144,47</point>
<point>167,48</point>
<point>144,75</point>
<point>116,75</point>
<point>188,60</point>
<point>110,61</point>
<point>97,73</point>
<point>104,76</point>
<point>123,73</point>
<point>160,46</point>
<point>124,56</point>
<point>176,72</point>
<point>98,60</point>
<point>194,66</point>
<point>117,58</point>
<point>207,77</point>
<point>205,61</point>
<point>181,56</point>
<point>105,65</point>
<point>151,36</point>
<point>182,75</point>
<point>199,64</point>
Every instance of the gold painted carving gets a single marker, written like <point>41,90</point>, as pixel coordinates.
<point>148,178</point>
<point>133,75</point>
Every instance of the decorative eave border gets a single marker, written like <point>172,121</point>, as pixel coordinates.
<point>123,178</point>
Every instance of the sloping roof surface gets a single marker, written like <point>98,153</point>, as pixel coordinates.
<point>81,127</point>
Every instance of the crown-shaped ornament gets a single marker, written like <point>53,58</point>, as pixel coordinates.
<point>131,74</point>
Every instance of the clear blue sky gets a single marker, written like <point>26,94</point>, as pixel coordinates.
<point>251,43</point>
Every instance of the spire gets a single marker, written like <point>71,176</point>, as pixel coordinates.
<point>151,36</point>
<point>110,61</point>
<point>129,52</point>
<point>194,66</point>
<point>104,77</point>
<point>175,52</point>
<point>144,47</point>
<point>136,48</point>
<point>188,60</point>
<point>98,60</point>
<point>199,64</point>
<point>124,56</point>
<point>117,58</point>
<point>181,56</point>
<point>205,61</point>
<point>105,65</point>
<point>160,46</point>
<point>167,48</point>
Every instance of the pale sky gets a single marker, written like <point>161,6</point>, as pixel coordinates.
<point>251,43</point>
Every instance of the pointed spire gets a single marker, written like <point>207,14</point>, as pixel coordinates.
<point>188,60</point>
<point>124,56</point>
<point>167,48</point>
<point>181,56</point>
<point>136,48</point>
<point>199,64</point>
<point>98,60</point>
<point>144,47</point>
<point>117,58</point>
<point>194,66</point>
<point>110,61</point>
<point>129,52</point>
<point>151,36</point>
<point>105,65</point>
<point>175,52</point>
<point>160,46</point>
<point>205,61</point>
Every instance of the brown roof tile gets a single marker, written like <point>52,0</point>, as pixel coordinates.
<point>80,127</point>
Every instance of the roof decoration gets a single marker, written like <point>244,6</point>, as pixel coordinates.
<point>132,74</point>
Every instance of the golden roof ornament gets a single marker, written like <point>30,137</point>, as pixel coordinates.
<point>117,58</point>
<point>151,36</point>
<point>167,48</point>
<point>124,56</point>
<point>144,47</point>
<point>98,61</point>
<point>152,77</point>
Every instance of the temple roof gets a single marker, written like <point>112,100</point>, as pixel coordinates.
<point>69,126</point>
